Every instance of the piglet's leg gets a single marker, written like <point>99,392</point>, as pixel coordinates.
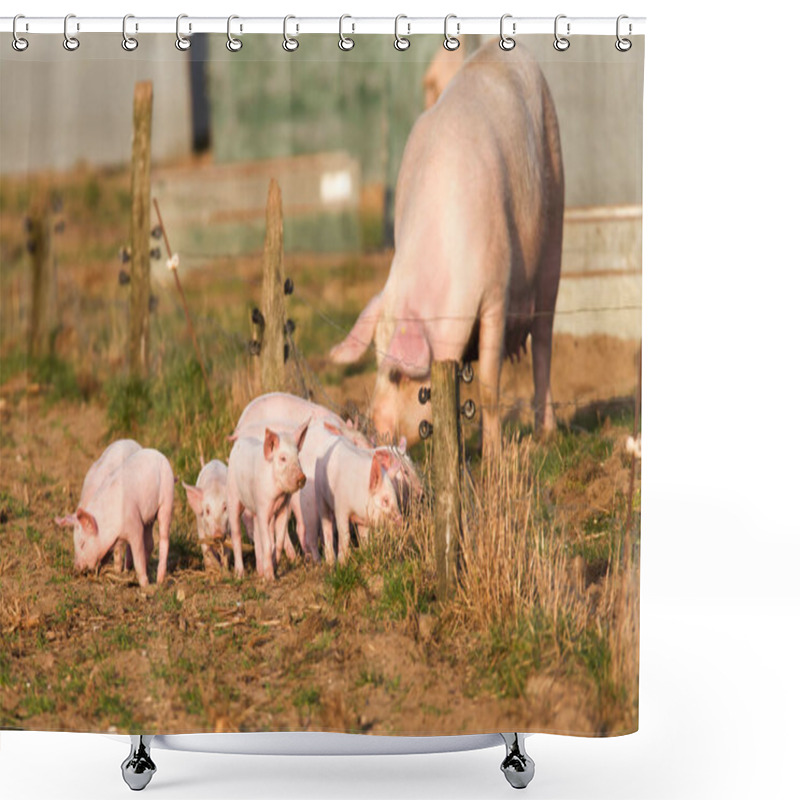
<point>343,528</point>
<point>234,513</point>
<point>139,557</point>
<point>326,520</point>
<point>264,547</point>
<point>164,522</point>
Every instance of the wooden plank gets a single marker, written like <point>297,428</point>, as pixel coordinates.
<point>272,302</point>
<point>139,329</point>
<point>446,408</point>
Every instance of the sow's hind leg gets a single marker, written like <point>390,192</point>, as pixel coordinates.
<point>490,354</point>
<point>542,335</point>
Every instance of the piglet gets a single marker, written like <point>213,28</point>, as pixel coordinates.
<point>124,507</point>
<point>209,501</point>
<point>111,458</point>
<point>262,475</point>
<point>353,484</point>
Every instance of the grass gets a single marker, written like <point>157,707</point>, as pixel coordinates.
<point>520,611</point>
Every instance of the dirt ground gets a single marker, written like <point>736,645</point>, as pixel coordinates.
<point>206,652</point>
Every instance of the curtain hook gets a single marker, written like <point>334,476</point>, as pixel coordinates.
<point>345,42</point>
<point>623,45</point>
<point>401,42</point>
<point>233,44</point>
<point>290,43</point>
<point>181,42</point>
<point>561,43</point>
<point>507,42</point>
<point>451,42</point>
<point>18,43</point>
<point>129,43</point>
<point>71,43</point>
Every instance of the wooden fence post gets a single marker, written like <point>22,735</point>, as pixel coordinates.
<point>272,303</point>
<point>446,408</point>
<point>139,328</point>
<point>43,311</point>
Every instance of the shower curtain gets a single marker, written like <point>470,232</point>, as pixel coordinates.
<point>320,378</point>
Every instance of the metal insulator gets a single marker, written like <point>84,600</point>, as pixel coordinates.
<point>156,232</point>
<point>124,255</point>
<point>59,226</point>
<point>124,278</point>
<point>467,373</point>
<point>257,318</point>
<point>254,347</point>
<point>425,429</point>
<point>155,253</point>
<point>424,394</point>
<point>288,286</point>
<point>468,409</point>
<point>288,328</point>
<point>30,246</point>
<point>153,304</point>
<point>285,353</point>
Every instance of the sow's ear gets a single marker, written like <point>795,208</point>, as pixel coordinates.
<point>195,497</point>
<point>357,341</point>
<point>87,521</point>
<point>408,351</point>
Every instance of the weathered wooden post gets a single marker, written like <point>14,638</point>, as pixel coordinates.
<point>43,312</point>
<point>139,327</point>
<point>273,307</point>
<point>446,409</point>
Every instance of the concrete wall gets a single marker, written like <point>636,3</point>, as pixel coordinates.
<point>58,109</point>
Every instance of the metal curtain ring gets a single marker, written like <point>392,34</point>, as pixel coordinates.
<point>450,42</point>
<point>129,43</point>
<point>345,42</point>
<point>181,42</point>
<point>560,43</point>
<point>507,42</point>
<point>290,43</point>
<point>71,43</point>
<point>400,42</point>
<point>623,45</point>
<point>233,44</point>
<point>18,43</point>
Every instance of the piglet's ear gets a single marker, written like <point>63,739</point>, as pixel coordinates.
<point>333,429</point>
<point>300,434</point>
<point>271,441</point>
<point>375,473</point>
<point>87,521</point>
<point>195,497</point>
<point>69,521</point>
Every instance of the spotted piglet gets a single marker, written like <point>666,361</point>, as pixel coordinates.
<point>209,501</point>
<point>124,508</point>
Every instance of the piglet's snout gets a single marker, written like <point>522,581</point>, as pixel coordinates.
<point>300,480</point>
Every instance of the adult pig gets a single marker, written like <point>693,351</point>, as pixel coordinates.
<point>478,229</point>
<point>352,485</point>
<point>208,498</point>
<point>124,507</point>
<point>262,474</point>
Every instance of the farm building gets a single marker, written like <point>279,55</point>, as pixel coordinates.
<point>333,134</point>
